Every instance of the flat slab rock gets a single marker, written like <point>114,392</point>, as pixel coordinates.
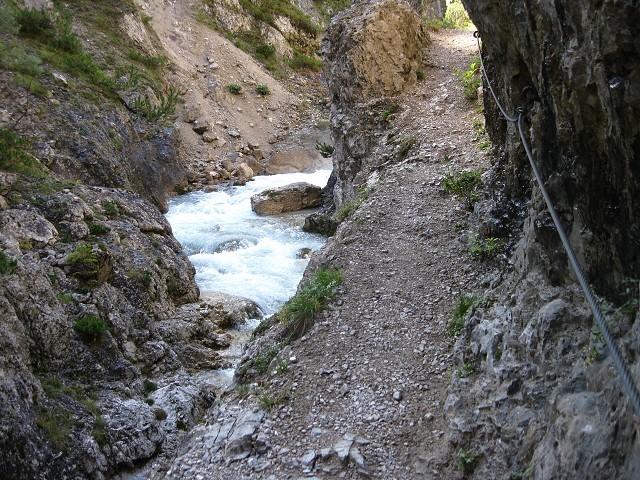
<point>288,198</point>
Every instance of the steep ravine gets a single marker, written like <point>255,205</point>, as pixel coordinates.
<point>103,334</point>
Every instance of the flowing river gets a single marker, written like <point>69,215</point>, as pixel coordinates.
<point>240,253</point>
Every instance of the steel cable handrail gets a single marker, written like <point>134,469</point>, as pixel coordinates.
<point>623,370</point>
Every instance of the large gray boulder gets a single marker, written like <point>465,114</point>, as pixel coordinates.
<point>289,198</point>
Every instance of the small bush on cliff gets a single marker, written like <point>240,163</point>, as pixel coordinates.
<point>7,265</point>
<point>325,149</point>
<point>459,313</point>
<point>235,88</point>
<point>300,61</point>
<point>83,262</point>
<point>463,184</point>
<point>15,158</point>
<point>263,89</point>
<point>90,328</point>
<point>56,426</point>
<point>470,79</point>
<point>159,112</point>
<point>484,248</point>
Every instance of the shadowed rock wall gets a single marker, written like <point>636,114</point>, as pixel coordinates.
<point>583,61</point>
<point>545,401</point>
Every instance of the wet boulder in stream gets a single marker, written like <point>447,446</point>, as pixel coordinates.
<point>290,198</point>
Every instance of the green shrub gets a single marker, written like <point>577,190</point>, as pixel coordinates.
<point>7,265</point>
<point>66,39</point>
<point>300,61</point>
<point>312,297</point>
<point>470,79</point>
<point>35,24</point>
<point>15,58</point>
<point>235,88</point>
<point>325,149</point>
<point>459,313</point>
<point>265,51</point>
<point>15,158</point>
<point>56,426</point>
<point>83,262</point>
<point>149,386</point>
<point>159,112</point>
<point>90,328</point>
<point>467,460</point>
<point>463,184</point>
<point>389,111</point>
<point>484,248</point>
<point>263,89</point>
<point>348,208</point>
<point>98,228</point>
<point>111,208</point>
<point>155,62</point>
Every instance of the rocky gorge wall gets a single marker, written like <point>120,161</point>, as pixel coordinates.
<point>372,51</point>
<point>99,330</point>
<point>545,400</point>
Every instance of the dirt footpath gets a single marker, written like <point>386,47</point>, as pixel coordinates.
<point>362,393</point>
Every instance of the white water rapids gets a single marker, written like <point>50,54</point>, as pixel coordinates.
<point>237,252</point>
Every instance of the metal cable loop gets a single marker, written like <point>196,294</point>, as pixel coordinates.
<point>623,370</point>
<point>486,77</point>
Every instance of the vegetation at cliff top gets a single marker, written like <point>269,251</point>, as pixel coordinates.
<point>253,41</point>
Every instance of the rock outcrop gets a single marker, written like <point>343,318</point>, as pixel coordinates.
<point>289,198</point>
<point>96,301</point>
<point>372,51</point>
<point>545,399</point>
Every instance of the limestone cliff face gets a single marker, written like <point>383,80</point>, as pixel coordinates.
<point>372,51</point>
<point>545,401</point>
<point>582,61</point>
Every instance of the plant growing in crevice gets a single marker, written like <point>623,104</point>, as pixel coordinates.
<point>485,248</point>
<point>161,111</point>
<point>56,426</point>
<point>470,79</point>
<point>389,112</point>
<point>348,208</point>
<point>7,265</point>
<point>459,313</point>
<point>312,298</point>
<point>83,262</point>
<point>90,328</point>
<point>463,184</point>
<point>325,149</point>
<point>468,460</point>
<point>466,369</point>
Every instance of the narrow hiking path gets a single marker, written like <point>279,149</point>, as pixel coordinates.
<point>370,379</point>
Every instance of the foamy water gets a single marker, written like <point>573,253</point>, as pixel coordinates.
<point>238,252</point>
